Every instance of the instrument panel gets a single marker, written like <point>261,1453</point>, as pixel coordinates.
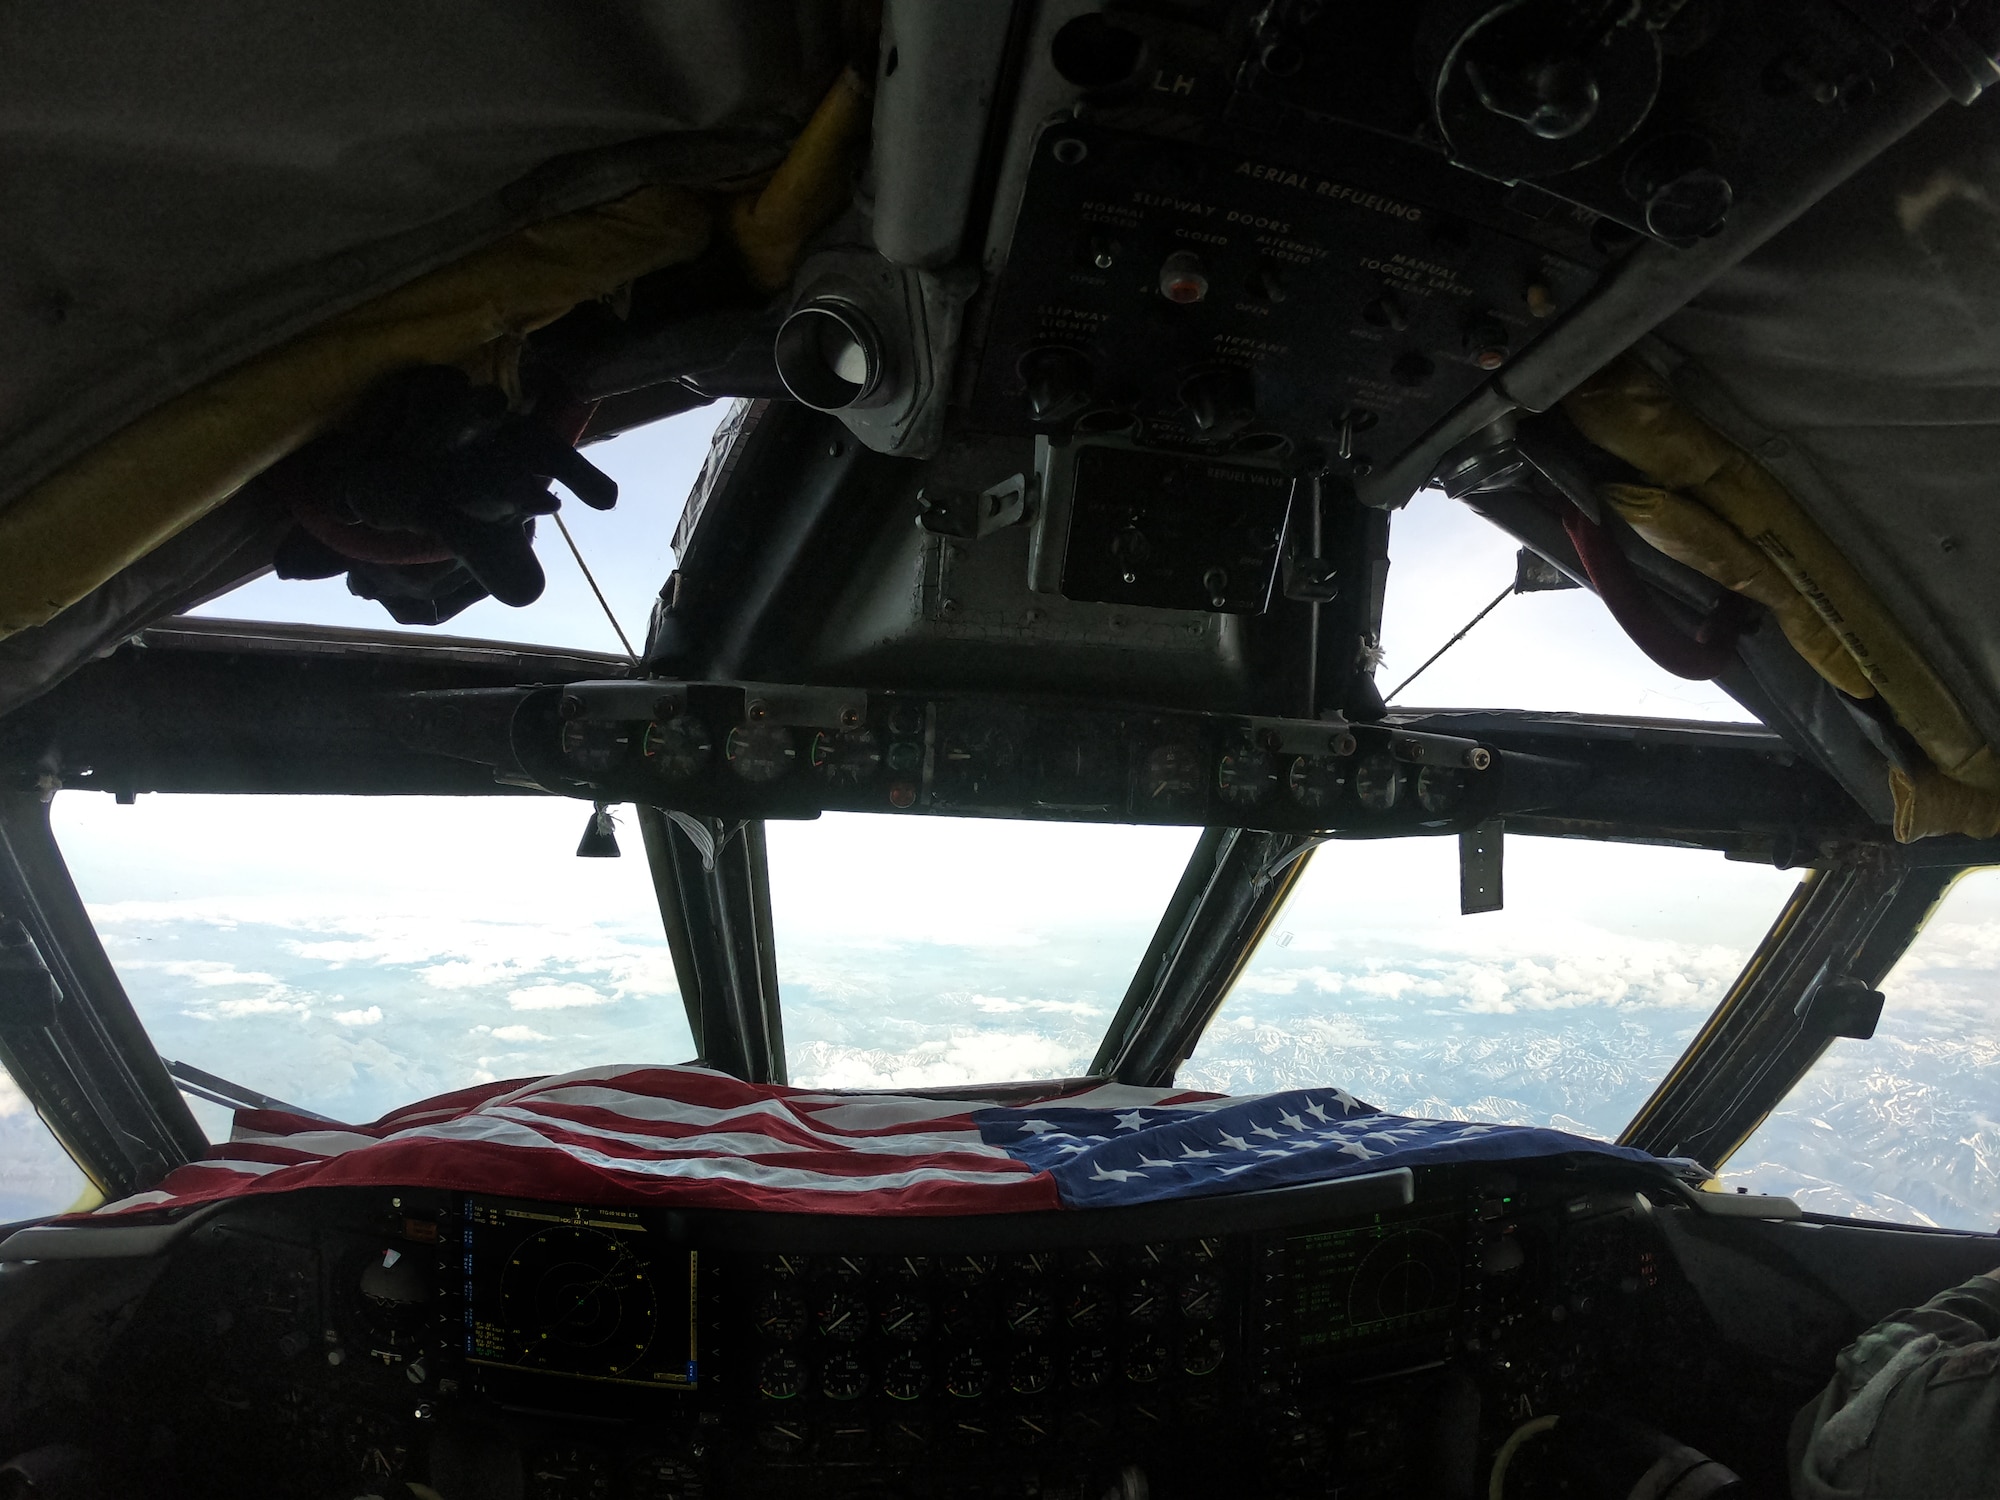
<point>751,750</point>
<point>614,1353</point>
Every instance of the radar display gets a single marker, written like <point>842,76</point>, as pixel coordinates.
<point>1372,1282</point>
<point>579,1292</point>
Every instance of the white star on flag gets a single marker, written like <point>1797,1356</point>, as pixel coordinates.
<point>1347,1102</point>
<point>1264,1130</point>
<point>1134,1121</point>
<point>1187,1150</point>
<point>1290,1122</point>
<point>1151,1161</point>
<point>1234,1142</point>
<point>1359,1151</point>
<point>1316,1110</point>
<point>1475,1130</point>
<point>1116,1174</point>
<point>1036,1127</point>
<point>1270,1151</point>
<point>1072,1148</point>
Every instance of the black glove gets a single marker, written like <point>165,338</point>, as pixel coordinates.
<point>426,496</point>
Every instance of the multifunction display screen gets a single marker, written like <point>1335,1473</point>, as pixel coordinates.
<point>1376,1281</point>
<point>583,1292</point>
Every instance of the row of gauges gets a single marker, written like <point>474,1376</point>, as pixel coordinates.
<point>1028,1311</point>
<point>846,1433</point>
<point>1248,773</point>
<point>970,1270</point>
<point>683,747</point>
<point>968,1374</point>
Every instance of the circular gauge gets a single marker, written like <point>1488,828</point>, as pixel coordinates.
<point>966,1375</point>
<point>1158,1256</point>
<point>1378,781</point>
<point>1089,1367</point>
<point>904,1377</point>
<point>594,746</point>
<point>1028,1429</point>
<point>760,753</point>
<point>1202,1354</point>
<point>1087,1310</point>
<point>1030,1371</point>
<point>850,759</point>
<point>849,1440</point>
<point>1028,1313</point>
<point>905,1436</point>
<point>843,1317</point>
<point>844,1268</point>
<point>1205,1252</point>
<point>1092,1263</point>
<point>908,1269</point>
<point>1247,773</point>
<point>906,1317</point>
<point>1201,1297</point>
<point>1173,773</point>
<point>1144,1361</point>
<point>841,1378</point>
<point>968,1270</point>
<point>1314,781</point>
<point>784,1267</point>
<point>1144,1302</point>
<point>1076,760</point>
<point>577,1300</point>
<point>1440,789</point>
<point>658,1477</point>
<point>906,719</point>
<point>905,756</point>
<point>782,1439</point>
<point>780,1315</point>
<point>1030,1267</point>
<point>965,1316</point>
<point>679,749</point>
<point>781,1376</point>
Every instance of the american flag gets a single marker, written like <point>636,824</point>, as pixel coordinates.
<point>689,1137</point>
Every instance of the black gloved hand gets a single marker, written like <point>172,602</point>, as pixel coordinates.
<point>431,469</point>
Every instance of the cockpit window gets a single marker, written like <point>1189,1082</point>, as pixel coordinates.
<point>628,548</point>
<point>1905,1126</point>
<point>1565,1008</point>
<point>36,1175</point>
<point>923,951</point>
<point>353,954</point>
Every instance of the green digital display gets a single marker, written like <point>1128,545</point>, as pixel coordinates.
<point>1372,1282</point>
<point>585,1293</point>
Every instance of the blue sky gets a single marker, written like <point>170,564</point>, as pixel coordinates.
<point>354,954</point>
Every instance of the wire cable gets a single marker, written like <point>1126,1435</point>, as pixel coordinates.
<point>1390,696</point>
<point>602,603</point>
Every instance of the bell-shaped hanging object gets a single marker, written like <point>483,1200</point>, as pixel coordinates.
<point>600,839</point>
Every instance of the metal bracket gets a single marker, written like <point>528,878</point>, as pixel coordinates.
<point>1481,851</point>
<point>715,903</point>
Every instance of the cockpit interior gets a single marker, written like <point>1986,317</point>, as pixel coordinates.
<point>1087,423</point>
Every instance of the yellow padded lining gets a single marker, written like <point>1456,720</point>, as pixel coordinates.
<point>1629,411</point>
<point>172,466</point>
